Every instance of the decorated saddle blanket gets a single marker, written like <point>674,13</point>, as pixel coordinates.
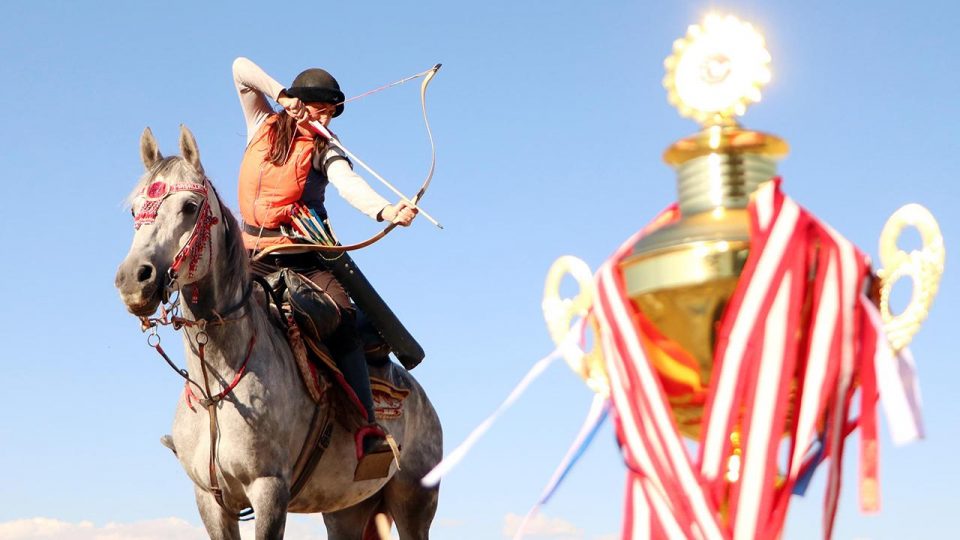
<point>387,397</point>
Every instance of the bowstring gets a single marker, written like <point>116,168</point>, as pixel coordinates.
<point>386,86</point>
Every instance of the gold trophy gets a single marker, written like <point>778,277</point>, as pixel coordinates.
<point>682,275</point>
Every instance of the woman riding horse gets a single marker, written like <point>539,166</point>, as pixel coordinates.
<point>284,166</point>
<point>246,429</point>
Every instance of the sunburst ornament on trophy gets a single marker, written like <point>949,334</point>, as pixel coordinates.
<point>717,69</point>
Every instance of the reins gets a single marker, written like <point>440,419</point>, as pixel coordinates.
<point>201,339</point>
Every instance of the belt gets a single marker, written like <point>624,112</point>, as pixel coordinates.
<point>262,231</point>
<point>297,261</point>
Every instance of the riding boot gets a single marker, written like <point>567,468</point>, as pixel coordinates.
<point>347,349</point>
<point>374,453</point>
<point>353,365</point>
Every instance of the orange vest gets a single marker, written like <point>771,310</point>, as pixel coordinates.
<point>268,191</point>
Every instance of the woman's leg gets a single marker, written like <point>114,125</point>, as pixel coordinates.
<point>345,342</point>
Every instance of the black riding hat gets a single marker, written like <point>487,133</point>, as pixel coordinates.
<point>317,85</point>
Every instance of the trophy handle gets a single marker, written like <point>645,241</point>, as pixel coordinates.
<point>924,267</point>
<point>560,312</point>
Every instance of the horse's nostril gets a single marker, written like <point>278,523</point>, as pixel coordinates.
<point>145,273</point>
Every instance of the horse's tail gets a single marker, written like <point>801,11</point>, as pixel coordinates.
<point>378,526</point>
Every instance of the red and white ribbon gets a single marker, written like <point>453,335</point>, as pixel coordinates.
<point>796,337</point>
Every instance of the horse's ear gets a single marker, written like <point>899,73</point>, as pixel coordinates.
<point>188,148</point>
<point>149,152</point>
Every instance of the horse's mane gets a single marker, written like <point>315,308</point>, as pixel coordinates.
<point>235,263</point>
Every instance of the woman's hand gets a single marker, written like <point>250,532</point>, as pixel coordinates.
<point>401,213</point>
<point>293,106</point>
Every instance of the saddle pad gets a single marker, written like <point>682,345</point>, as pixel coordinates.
<point>387,399</point>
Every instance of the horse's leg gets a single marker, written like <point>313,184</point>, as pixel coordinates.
<point>269,497</point>
<point>349,523</point>
<point>411,505</point>
<point>219,524</point>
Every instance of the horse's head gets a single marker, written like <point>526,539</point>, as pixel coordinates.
<point>175,211</point>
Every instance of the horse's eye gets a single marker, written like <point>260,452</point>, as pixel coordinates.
<point>189,207</point>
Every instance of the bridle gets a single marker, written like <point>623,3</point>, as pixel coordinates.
<point>193,250</point>
<point>199,239</point>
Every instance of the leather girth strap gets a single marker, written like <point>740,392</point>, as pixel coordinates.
<point>314,446</point>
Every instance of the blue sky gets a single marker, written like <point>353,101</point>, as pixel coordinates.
<point>550,121</point>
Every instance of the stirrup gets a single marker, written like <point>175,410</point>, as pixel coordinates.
<point>375,462</point>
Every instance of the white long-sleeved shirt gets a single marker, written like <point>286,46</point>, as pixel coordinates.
<point>253,86</point>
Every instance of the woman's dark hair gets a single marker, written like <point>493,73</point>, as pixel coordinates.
<point>282,133</point>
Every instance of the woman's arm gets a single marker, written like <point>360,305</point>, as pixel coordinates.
<point>351,185</point>
<point>253,86</point>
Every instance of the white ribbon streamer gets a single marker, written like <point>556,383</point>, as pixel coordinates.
<point>898,385</point>
<point>453,458</point>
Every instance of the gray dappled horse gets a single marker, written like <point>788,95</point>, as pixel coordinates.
<point>263,422</point>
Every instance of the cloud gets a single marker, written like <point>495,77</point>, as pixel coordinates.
<point>542,527</point>
<point>46,528</point>
<point>300,528</point>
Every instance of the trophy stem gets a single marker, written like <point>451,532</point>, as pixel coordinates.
<point>721,181</point>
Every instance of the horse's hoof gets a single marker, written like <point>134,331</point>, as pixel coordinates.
<point>167,441</point>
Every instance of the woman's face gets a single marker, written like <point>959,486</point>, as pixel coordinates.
<point>320,112</point>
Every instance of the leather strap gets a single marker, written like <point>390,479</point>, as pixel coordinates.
<point>264,232</point>
<point>212,415</point>
<point>211,402</point>
<point>316,443</point>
